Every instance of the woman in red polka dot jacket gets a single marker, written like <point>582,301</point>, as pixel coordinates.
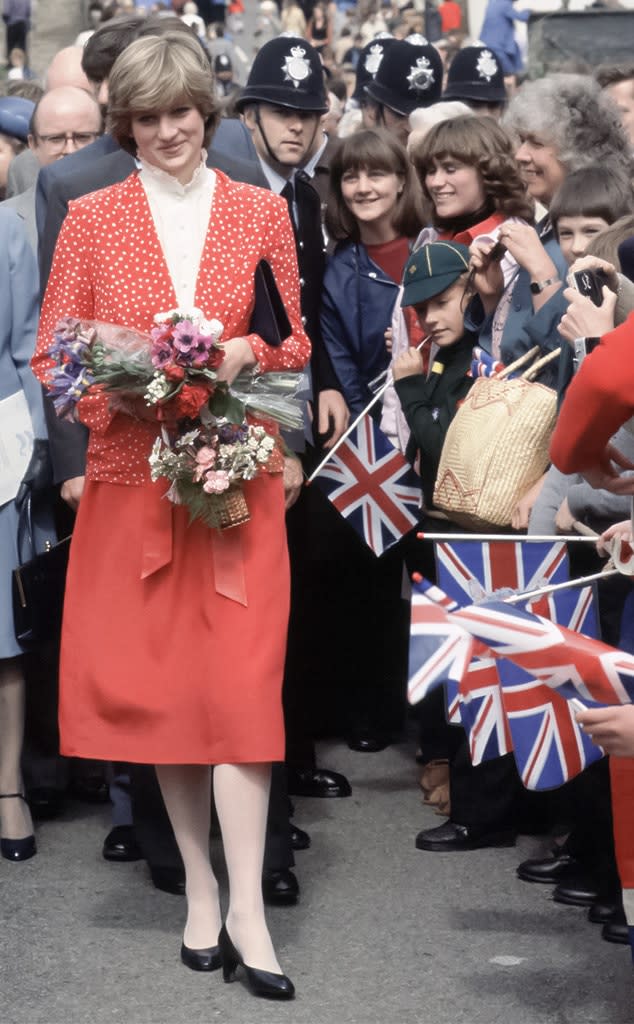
<point>174,635</point>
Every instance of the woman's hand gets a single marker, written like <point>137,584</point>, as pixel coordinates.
<point>583,319</point>
<point>619,532</point>
<point>486,276</point>
<point>408,364</point>
<point>605,475</point>
<point>238,356</point>
<point>594,263</point>
<point>521,515</point>
<point>525,246</point>
<point>611,728</point>
<point>293,477</point>
<point>388,339</point>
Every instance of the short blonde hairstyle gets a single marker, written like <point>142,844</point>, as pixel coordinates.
<point>157,73</point>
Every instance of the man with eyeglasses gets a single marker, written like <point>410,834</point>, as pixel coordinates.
<point>64,120</point>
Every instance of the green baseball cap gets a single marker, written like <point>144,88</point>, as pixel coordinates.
<point>431,269</point>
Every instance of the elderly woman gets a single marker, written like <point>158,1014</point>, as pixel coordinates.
<point>174,635</point>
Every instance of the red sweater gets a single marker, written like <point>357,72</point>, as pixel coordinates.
<point>599,400</point>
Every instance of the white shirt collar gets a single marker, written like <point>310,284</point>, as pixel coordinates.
<point>275,180</point>
<point>154,176</point>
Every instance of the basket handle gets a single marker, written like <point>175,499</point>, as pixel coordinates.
<point>533,370</point>
<point>518,362</point>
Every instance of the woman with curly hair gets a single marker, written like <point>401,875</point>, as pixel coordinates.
<point>470,177</point>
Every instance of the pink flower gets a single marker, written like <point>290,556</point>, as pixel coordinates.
<point>216,482</point>
<point>205,458</point>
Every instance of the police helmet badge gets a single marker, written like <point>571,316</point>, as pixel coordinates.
<point>295,67</point>
<point>421,75</point>
<point>373,59</point>
<point>487,65</point>
<point>417,39</point>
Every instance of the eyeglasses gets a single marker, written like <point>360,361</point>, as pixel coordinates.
<point>78,139</point>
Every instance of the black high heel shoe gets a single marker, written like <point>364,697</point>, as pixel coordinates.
<point>201,959</point>
<point>261,983</point>
<point>17,849</point>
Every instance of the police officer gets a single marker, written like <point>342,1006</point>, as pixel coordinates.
<point>282,105</point>
<point>476,78</point>
<point>409,76</point>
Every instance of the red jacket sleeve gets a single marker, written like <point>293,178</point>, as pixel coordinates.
<point>598,401</point>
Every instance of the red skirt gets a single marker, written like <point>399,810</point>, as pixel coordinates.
<point>163,669</point>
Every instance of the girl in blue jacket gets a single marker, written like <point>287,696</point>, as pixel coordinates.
<point>374,212</point>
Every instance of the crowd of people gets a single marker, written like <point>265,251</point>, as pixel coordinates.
<point>415,199</point>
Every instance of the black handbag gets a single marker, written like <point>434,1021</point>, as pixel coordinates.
<point>38,584</point>
<point>269,318</point>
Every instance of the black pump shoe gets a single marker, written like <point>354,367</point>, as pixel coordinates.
<point>17,849</point>
<point>201,959</point>
<point>262,983</point>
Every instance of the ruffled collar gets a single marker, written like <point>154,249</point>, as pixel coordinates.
<point>167,183</point>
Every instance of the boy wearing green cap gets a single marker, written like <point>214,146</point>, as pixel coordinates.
<point>435,284</point>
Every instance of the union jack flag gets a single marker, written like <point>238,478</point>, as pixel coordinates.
<point>551,653</point>
<point>439,650</point>
<point>372,486</point>
<point>471,570</point>
<point>482,711</point>
<point>548,744</point>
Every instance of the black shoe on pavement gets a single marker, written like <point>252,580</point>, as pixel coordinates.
<point>368,742</point>
<point>90,790</point>
<point>617,929</point>
<point>300,840</point>
<point>577,891</point>
<point>280,888</point>
<point>549,870</point>
<point>603,911</point>
<point>317,782</point>
<point>120,844</point>
<point>170,880</point>
<point>451,836</point>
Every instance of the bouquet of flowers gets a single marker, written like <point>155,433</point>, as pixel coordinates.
<point>206,467</point>
<point>173,369</point>
<point>206,448</point>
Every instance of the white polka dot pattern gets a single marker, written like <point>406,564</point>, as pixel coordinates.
<point>109,266</point>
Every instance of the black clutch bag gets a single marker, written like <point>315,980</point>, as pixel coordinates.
<point>38,585</point>
<point>269,318</point>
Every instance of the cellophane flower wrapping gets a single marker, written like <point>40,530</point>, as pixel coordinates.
<point>206,448</point>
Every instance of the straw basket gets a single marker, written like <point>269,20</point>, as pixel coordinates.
<point>496,447</point>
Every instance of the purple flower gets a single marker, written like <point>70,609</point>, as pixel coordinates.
<point>185,336</point>
<point>67,387</point>
<point>232,433</point>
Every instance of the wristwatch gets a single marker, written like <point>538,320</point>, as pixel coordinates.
<point>539,286</point>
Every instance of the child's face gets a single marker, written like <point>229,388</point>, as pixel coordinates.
<point>442,317</point>
<point>575,234</point>
<point>371,195</point>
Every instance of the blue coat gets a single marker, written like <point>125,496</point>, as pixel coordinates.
<point>498,33</point>
<point>18,324</point>
<point>357,303</point>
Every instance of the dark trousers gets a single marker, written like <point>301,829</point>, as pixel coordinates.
<point>16,36</point>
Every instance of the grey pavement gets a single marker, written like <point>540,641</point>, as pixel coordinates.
<point>383,933</point>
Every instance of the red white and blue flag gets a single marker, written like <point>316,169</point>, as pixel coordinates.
<point>555,655</point>
<point>548,744</point>
<point>439,649</point>
<point>373,486</point>
<point>482,711</point>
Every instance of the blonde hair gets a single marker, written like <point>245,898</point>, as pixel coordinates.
<point>156,73</point>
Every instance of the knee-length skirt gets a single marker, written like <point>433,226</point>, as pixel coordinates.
<point>164,669</point>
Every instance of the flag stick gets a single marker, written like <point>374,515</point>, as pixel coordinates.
<point>579,582</point>
<point>344,437</point>
<point>567,538</point>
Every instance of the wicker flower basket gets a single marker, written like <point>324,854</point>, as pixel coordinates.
<point>496,447</point>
